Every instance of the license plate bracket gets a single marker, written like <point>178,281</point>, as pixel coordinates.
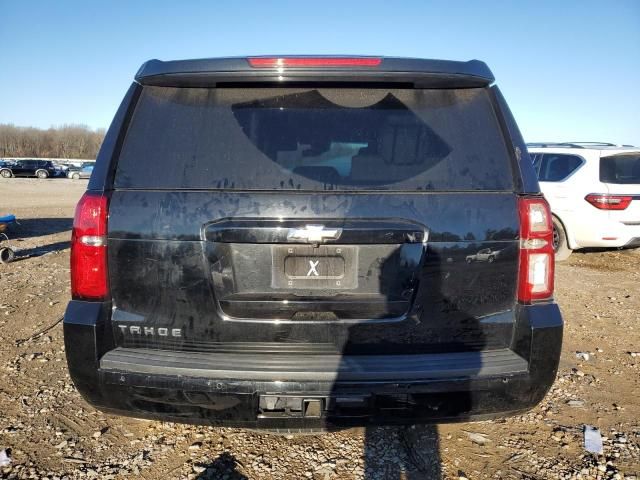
<point>332,267</point>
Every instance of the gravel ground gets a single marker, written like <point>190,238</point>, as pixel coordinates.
<point>50,432</point>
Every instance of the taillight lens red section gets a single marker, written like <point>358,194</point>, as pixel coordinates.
<point>609,202</point>
<point>89,277</point>
<point>537,258</point>
<point>305,62</point>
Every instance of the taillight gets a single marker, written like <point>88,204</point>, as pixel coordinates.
<point>537,262</point>
<point>89,248</point>
<point>292,62</point>
<point>609,202</point>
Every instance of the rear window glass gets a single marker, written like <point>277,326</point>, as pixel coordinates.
<point>621,169</point>
<point>314,139</point>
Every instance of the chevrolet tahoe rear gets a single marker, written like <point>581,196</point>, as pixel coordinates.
<point>284,243</point>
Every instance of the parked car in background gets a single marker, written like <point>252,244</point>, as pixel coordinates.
<point>30,168</point>
<point>77,173</point>
<point>594,193</point>
<point>278,254</point>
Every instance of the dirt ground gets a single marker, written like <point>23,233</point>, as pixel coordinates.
<point>50,432</point>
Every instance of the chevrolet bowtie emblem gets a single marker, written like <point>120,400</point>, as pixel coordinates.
<point>314,233</point>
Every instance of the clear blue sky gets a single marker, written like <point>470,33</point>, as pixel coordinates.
<point>569,70</point>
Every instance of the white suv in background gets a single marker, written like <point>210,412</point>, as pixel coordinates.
<point>594,193</point>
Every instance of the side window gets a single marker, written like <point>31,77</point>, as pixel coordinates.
<point>556,167</point>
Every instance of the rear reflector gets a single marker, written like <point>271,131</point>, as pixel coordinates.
<point>609,202</point>
<point>89,248</point>
<point>537,258</point>
<point>292,62</point>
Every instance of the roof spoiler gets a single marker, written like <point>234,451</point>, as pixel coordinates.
<point>312,69</point>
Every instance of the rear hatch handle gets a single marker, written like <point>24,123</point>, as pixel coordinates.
<point>314,231</point>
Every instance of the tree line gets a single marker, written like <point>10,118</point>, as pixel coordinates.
<point>66,141</point>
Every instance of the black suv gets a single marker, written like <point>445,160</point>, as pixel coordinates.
<point>29,168</point>
<point>282,243</point>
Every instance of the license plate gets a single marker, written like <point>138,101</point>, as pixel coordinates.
<point>321,267</point>
<point>314,268</point>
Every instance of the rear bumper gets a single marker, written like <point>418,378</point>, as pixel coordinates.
<point>311,391</point>
<point>607,233</point>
